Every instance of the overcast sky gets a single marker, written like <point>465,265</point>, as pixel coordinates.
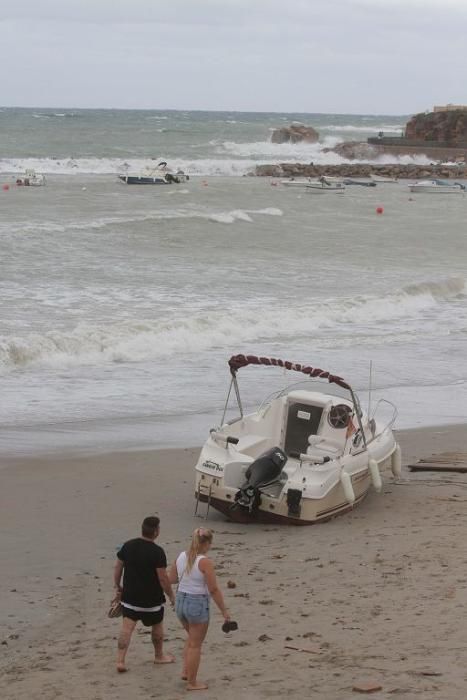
<point>357,56</point>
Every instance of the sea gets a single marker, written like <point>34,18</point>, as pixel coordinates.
<point>120,306</point>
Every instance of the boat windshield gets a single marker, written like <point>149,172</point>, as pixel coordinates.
<point>310,385</point>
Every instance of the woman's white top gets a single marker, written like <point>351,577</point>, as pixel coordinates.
<point>192,582</point>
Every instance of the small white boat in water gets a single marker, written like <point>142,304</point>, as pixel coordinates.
<point>384,180</point>
<point>304,456</point>
<point>30,179</point>
<point>325,185</point>
<point>306,181</point>
<point>362,182</point>
<point>300,182</point>
<point>437,187</point>
<point>159,175</point>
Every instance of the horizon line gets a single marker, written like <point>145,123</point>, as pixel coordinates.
<point>229,111</point>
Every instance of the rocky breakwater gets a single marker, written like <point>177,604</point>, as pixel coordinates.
<point>364,170</point>
<point>295,133</point>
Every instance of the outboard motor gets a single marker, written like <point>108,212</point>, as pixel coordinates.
<point>262,471</point>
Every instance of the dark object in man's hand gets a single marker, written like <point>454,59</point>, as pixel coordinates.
<point>229,626</point>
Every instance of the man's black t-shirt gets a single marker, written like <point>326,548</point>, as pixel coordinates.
<point>141,585</point>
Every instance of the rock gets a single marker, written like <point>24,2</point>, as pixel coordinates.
<point>231,584</point>
<point>264,638</point>
<point>356,170</point>
<point>447,127</point>
<point>367,687</point>
<point>295,133</point>
<point>355,150</point>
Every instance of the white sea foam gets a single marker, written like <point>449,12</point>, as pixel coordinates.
<point>224,217</point>
<point>385,128</point>
<point>229,159</point>
<point>149,339</point>
<point>231,216</point>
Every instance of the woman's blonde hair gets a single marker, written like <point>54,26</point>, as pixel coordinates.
<point>200,536</point>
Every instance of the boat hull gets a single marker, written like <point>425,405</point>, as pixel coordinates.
<point>313,511</point>
<point>240,515</point>
<point>320,189</point>
<point>360,183</point>
<point>437,187</point>
<point>135,180</point>
<point>295,183</point>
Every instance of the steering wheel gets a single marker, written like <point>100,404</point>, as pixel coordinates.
<point>339,415</point>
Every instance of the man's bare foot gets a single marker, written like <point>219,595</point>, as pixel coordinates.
<point>197,686</point>
<point>121,668</point>
<point>164,659</point>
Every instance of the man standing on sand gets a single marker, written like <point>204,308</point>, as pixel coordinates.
<point>144,567</point>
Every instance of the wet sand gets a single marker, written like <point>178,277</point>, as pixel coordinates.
<point>374,595</point>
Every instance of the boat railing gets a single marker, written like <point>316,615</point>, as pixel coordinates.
<point>390,423</point>
<point>277,393</point>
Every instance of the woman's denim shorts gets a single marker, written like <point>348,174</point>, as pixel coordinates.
<point>192,608</point>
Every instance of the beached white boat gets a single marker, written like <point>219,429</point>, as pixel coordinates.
<point>31,179</point>
<point>304,456</point>
<point>437,187</point>
<point>159,175</point>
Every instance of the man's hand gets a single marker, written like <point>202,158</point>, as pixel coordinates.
<point>166,585</point>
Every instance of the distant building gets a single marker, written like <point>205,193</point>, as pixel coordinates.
<point>450,108</point>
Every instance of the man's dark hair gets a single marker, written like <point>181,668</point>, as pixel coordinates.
<point>150,526</point>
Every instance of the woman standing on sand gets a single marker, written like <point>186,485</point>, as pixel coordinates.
<point>197,583</point>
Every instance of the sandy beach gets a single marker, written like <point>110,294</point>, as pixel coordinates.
<point>375,595</point>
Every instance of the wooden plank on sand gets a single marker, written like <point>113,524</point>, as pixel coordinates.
<point>444,462</point>
<point>459,467</point>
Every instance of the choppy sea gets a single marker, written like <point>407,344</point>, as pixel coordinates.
<point>119,306</point>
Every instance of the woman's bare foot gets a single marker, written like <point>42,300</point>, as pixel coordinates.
<point>197,686</point>
<point>164,659</point>
<point>121,668</point>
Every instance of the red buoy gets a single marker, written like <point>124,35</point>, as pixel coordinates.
<point>5,188</point>
<point>379,210</point>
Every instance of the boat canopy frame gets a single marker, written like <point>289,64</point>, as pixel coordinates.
<point>237,362</point>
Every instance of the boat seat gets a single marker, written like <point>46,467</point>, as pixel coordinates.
<point>320,447</point>
<point>252,445</point>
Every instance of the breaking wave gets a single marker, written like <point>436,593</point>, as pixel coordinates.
<point>227,158</point>
<point>150,339</point>
<point>345,128</point>
<point>223,217</point>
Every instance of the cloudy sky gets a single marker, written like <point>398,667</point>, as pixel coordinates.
<point>360,56</point>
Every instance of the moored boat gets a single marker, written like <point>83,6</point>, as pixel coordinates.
<point>31,179</point>
<point>360,181</point>
<point>384,180</point>
<point>325,185</point>
<point>293,182</point>
<point>437,187</point>
<point>160,175</point>
<point>304,456</point>
<point>305,181</point>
